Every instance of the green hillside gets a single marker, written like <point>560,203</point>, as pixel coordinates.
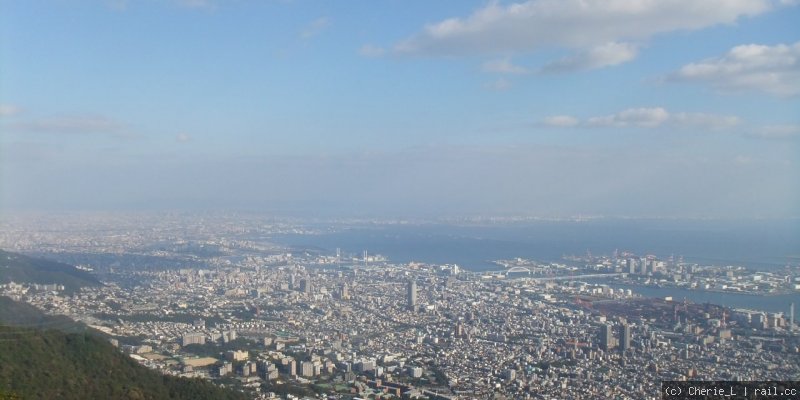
<point>23,269</point>
<point>19,314</point>
<point>55,365</point>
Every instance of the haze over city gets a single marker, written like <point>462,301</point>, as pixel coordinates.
<point>435,200</point>
<point>546,108</point>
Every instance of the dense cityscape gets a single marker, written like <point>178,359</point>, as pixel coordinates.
<point>220,300</point>
<point>435,200</point>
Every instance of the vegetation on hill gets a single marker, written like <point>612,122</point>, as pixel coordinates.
<point>19,314</point>
<point>23,269</point>
<point>55,365</point>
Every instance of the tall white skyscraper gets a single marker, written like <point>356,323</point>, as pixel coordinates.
<point>412,294</point>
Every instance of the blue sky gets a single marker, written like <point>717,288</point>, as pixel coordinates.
<point>552,108</point>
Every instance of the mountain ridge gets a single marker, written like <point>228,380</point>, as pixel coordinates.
<point>51,364</point>
<point>19,268</point>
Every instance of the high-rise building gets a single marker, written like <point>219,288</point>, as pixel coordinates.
<point>289,366</point>
<point>631,264</point>
<point>228,336</point>
<point>625,337</point>
<point>305,285</point>
<point>412,294</point>
<point>606,337</point>
<point>510,374</point>
<point>225,369</point>
<point>307,369</point>
<point>237,355</point>
<point>193,338</point>
<point>459,330</point>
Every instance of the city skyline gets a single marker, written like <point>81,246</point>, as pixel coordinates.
<point>553,109</point>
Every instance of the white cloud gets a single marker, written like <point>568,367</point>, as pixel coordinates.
<point>604,55</point>
<point>770,69</point>
<point>118,5</point>
<point>641,117</point>
<point>561,121</point>
<point>315,27</point>
<point>74,125</point>
<point>580,24</point>
<point>503,66</point>
<point>183,138</point>
<point>704,121</point>
<point>70,125</point>
<point>742,159</point>
<point>124,5</point>
<point>9,110</point>
<point>658,116</point>
<point>498,85</point>
<point>369,50</point>
<point>197,4</point>
<point>786,131</point>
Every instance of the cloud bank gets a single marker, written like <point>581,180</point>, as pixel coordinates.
<point>602,32</point>
<point>605,55</point>
<point>9,110</point>
<point>315,27</point>
<point>648,117</point>
<point>774,70</point>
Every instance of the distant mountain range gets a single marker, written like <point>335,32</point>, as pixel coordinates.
<point>23,269</point>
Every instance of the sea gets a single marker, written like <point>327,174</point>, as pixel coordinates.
<point>770,303</point>
<point>758,244</point>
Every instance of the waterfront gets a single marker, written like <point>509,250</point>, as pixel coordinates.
<point>759,245</point>
<point>288,314</point>
<point>767,244</point>
<point>769,303</point>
